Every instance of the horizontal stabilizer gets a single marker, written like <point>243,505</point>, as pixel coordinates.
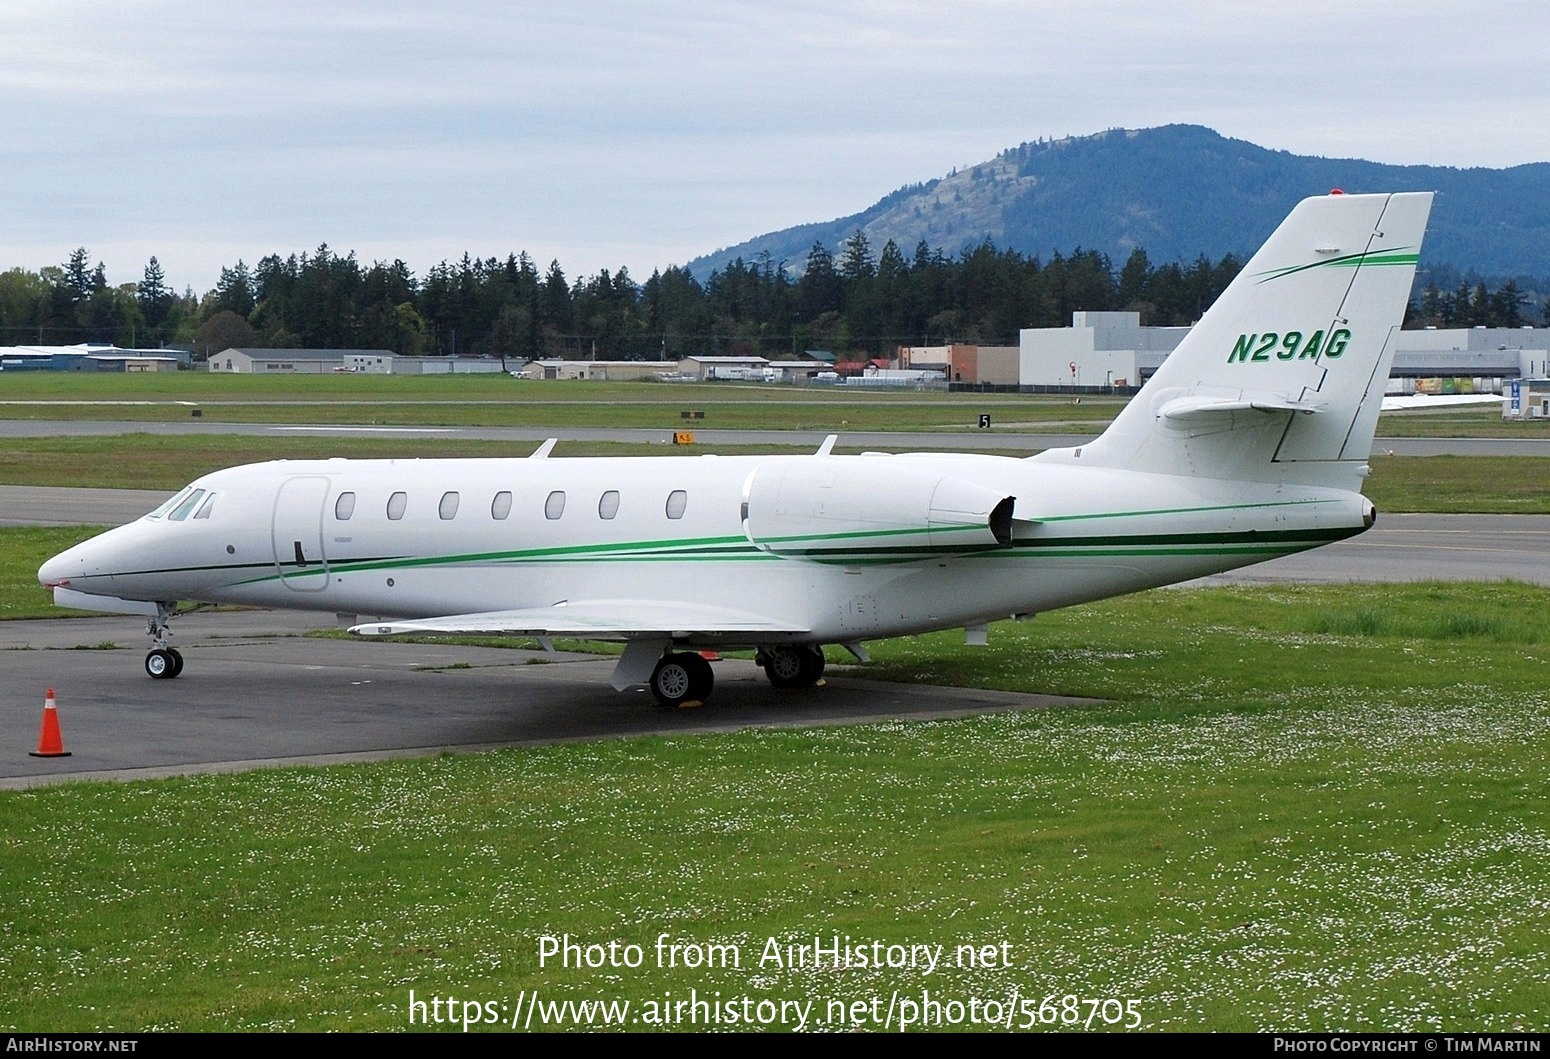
<point>600,618</point>
<point>1186,409</point>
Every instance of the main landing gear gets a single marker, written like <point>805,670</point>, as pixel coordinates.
<point>792,665</point>
<point>163,662</point>
<point>684,678</point>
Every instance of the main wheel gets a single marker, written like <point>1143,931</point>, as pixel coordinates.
<point>793,665</point>
<point>163,663</point>
<point>682,677</point>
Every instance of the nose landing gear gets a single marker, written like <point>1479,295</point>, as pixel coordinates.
<point>163,662</point>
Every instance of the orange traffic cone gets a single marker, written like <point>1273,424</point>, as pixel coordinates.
<point>710,656</point>
<point>49,742</point>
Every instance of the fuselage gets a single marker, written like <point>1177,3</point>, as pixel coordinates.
<point>845,547</point>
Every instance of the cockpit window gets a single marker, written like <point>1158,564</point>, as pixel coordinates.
<point>171,502</point>
<point>186,508</point>
<point>206,507</point>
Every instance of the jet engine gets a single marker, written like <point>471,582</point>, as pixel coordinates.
<point>844,506</point>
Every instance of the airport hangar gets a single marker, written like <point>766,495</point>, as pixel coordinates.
<point>1111,351</point>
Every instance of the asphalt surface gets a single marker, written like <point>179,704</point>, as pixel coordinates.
<point>26,505</point>
<point>1419,548</point>
<point>256,692</point>
<point>999,439</point>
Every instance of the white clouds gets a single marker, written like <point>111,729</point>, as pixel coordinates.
<point>642,133</point>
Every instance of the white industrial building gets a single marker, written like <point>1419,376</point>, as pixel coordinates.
<point>300,361</point>
<point>364,361</point>
<point>1112,350</point>
<point>1098,349</point>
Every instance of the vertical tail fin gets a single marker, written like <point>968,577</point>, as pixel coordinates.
<point>1283,377</point>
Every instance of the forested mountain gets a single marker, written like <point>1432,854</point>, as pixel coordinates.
<point>1179,192</point>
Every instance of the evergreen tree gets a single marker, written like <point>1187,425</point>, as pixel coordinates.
<point>1505,306</point>
<point>153,295</point>
<point>820,289</point>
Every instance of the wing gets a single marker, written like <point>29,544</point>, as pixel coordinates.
<point>606,619</point>
<point>1429,400</point>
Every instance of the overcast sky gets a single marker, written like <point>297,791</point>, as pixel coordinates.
<point>646,133</point>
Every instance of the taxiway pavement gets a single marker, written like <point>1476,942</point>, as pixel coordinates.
<point>1011,441</point>
<point>258,692</point>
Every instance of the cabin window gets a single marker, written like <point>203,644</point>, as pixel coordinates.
<point>186,508</point>
<point>344,507</point>
<point>447,509</point>
<point>608,504</point>
<point>206,507</point>
<point>500,507</point>
<point>396,504</point>
<point>554,507</point>
<point>677,500</point>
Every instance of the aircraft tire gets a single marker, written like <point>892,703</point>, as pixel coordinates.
<point>682,677</point>
<point>793,665</point>
<point>177,661</point>
<point>163,664</point>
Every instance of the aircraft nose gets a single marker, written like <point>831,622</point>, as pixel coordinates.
<point>77,564</point>
<point>57,571</point>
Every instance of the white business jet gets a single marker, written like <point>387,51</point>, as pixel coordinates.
<point>1250,442</point>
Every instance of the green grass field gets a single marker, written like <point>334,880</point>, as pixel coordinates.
<point>1300,809</point>
<point>498,400</point>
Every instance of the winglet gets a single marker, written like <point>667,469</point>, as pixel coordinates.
<point>828,445</point>
<point>543,451</point>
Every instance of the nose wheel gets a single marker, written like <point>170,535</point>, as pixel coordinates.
<point>164,663</point>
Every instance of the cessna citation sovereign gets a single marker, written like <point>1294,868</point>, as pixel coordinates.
<point>1250,442</point>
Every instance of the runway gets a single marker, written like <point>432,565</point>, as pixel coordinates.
<point>1419,548</point>
<point>999,439</point>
